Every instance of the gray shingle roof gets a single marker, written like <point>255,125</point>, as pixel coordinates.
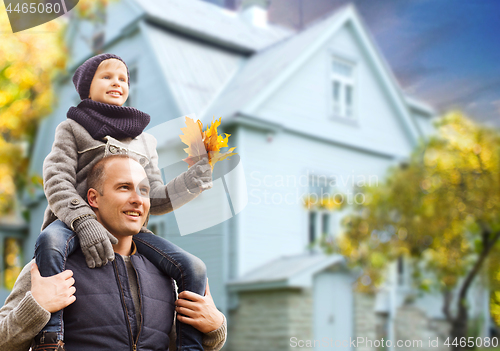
<point>212,23</point>
<point>194,71</point>
<point>280,272</point>
<point>262,68</point>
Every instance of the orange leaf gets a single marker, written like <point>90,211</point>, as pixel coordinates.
<point>193,138</point>
<point>211,142</point>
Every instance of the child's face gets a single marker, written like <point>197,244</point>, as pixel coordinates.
<point>109,84</point>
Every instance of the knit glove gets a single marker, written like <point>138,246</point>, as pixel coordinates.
<point>95,241</point>
<point>199,176</point>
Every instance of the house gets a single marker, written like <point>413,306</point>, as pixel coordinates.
<point>315,111</point>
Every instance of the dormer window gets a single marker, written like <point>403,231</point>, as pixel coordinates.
<point>342,85</point>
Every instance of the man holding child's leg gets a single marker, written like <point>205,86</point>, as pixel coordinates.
<point>125,305</point>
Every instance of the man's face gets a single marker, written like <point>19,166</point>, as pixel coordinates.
<point>109,84</point>
<point>124,204</point>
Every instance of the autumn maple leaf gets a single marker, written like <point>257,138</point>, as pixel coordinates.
<point>201,143</point>
<point>193,138</point>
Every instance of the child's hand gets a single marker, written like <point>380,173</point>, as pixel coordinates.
<point>199,177</point>
<point>96,242</point>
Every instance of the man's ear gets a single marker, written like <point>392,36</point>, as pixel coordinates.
<point>93,198</point>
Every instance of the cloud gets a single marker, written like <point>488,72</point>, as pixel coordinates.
<point>431,46</point>
<point>411,75</point>
<point>484,114</point>
<point>472,91</point>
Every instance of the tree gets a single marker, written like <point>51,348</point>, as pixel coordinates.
<point>441,209</point>
<point>29,60</point>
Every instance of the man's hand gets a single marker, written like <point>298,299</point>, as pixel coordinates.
<point>198,311</point>
<point>52,293</point>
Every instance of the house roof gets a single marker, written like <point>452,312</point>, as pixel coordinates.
<point>286,272</point>
<point>420,106</point>
<point>205,68</point>
<point>265,72</point>
<point>211,23</point>
<point>260,71</point>
<point>225,83</point>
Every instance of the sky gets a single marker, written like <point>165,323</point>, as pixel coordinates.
<point>444,52</point>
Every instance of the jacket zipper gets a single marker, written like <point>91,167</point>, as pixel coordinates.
<point>91,148</point>
<point>140,305</point>
<point>134,346</point>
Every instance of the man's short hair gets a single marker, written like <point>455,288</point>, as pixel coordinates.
<point>95,179</point>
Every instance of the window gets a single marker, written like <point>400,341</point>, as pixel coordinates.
<point>342,82</point>
<point>157,227</point>
<point>319,219</point>
<point>98,38</point>
<point>401,270</point>
<point>132,99</point>
<point>98,41</point>
<point>325,223</point>
<point>312,226</point>
<point>320,224</point>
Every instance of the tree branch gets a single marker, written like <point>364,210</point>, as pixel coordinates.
<point>477,266</point>
<point>446,305</point>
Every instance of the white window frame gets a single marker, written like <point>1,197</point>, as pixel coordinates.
<point>318,221</point>
<point>318,224</point>
<point>340,109</point>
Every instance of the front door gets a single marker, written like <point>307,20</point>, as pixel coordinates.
<point>333,310</point>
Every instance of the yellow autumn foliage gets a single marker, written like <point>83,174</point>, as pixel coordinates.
<point>201,143</point>
<point>29,61</point>
<point>442,210</point>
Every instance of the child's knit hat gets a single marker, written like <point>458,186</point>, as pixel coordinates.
<point>85,73</point>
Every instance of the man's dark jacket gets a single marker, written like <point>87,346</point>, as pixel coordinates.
<point>103,316</point>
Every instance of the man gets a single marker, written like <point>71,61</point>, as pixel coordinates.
<point>125,305</point>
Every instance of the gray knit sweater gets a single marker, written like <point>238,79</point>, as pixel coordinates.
<point>73,155</point>
<point>22,318</point>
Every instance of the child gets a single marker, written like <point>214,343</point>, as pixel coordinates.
<point>97,127</point>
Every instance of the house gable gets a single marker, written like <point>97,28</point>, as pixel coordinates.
<point>303,102</point>
<point>288,85</point>
<point>211,24</point>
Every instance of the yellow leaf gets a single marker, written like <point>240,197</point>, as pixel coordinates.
<point>193,138</point>
<point>201,142</point>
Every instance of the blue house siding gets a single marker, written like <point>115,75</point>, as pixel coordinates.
<point>275,223</point>
<point>303,101</point>
<point>208,244</point>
